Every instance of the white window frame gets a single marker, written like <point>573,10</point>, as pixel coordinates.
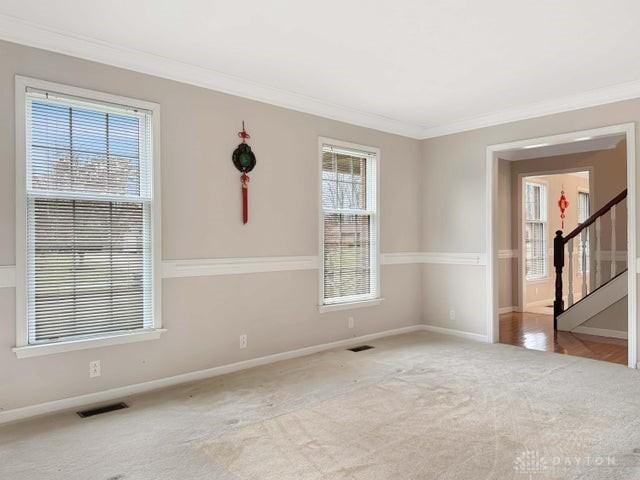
<point>544,213</point>
<point>350,302</point>
<point>23,348</point>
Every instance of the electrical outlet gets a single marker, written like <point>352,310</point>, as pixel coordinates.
<point>352,322</point>
<point>243,341</point>
<point>95,369</point>
<point>452,314</point>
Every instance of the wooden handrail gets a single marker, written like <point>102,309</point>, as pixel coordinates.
<point>589,221</point>
<point>560,241</point>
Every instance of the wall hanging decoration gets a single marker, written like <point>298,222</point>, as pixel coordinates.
<point>563,203</point>
<point>244,160</point>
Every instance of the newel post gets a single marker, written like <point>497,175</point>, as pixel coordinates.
<point>558,263</point>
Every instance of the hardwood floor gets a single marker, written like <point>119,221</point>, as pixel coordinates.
<point>535,331</point>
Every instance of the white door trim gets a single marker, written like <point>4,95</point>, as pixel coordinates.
<point>627,129</point>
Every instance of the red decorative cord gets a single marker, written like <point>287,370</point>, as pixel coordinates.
<point>245,197</point>
<point>243,134</point>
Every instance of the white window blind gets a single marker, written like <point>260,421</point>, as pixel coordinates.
<point>349,221</point>
<point>583,244</point>
<point>535,231</point>
<point>88,199</point>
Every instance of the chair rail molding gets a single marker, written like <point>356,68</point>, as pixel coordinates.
<point>204,267</point>
<point>234,266</point>
<point>444,258</point>
<point>452,258</point>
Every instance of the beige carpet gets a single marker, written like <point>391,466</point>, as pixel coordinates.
<point>418,406</point>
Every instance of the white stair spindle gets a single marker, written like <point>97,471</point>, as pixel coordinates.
<point>570,272</point>
<point>613,241</point>
<point>583,259</point>
<point>597,264</point>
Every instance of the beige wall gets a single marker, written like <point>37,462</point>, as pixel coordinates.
<point>613,317</point>
<point>432,199</point>
<point>454,215</point>
<point>201,219</point>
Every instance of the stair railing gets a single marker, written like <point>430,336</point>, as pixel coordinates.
<point>559,243</point>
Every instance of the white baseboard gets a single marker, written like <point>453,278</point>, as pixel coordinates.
<point>129,390</point>
<point>601,332</point>
<point>456,333</point>
<point>540,303</point>
<point>502,310</point>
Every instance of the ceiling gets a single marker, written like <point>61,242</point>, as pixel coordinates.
<point>578,145</point>
<point>414,67</point>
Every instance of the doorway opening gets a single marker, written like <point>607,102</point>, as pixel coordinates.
<point>561,268</point>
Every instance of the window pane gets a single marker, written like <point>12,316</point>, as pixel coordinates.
<point>81,150</point>
<point>535,245</point>
<point>88,267</point>
<point>346,255</point>
<point>344,181</point>
<point>534,202</point>
<point>89,262</point>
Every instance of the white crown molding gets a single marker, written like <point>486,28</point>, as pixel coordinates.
<point>39,36</point>
<point>16,30</point>
<point>592,98</point>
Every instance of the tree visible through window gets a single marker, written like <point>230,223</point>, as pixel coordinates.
<point>349,216</point>
<point>89,263</point>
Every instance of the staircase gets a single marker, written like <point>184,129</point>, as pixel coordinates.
<point>605,280</point>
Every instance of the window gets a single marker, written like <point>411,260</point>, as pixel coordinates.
<point>535,231</point>
<point>87,195</point>
<point>583,244</point>
<point>349,269</point>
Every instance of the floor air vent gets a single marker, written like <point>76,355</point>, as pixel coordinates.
<point>106,409</point>
<point>361,348</point>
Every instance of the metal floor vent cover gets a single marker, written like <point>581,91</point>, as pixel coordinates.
<point>106,409</point>
<point>361,348</point>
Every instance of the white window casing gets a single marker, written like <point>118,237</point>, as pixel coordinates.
<point>349,225</point>
<point>87,219</point>
<point>535,234</point>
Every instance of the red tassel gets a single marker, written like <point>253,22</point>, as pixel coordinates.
<point>245,197</point>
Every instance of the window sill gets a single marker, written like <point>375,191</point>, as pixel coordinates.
<point>334,307</point>
<point>60,347</point>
